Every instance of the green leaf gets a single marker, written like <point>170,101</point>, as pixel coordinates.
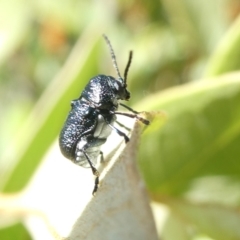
<point>16,231</point>
<point>226,56</point>
<point>218,222</point>
<point>201,136</point>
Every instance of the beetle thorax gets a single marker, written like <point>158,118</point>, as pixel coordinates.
<point>103,92</point>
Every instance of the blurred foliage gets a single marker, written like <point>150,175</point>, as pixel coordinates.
<point>50,49</point>
<point>15,232</point>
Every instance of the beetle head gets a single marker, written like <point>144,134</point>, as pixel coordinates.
<point>120,89</point>
<point>120,84</point>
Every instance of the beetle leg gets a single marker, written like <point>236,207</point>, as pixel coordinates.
<point>102,158</point>
<point>128,108</point>
<point>94,171</point>
<point>123,126</point>
<point>122,134</point>
<point>145,121</point>
<point>95,186</point>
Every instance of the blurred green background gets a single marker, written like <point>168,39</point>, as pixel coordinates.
<point>50,49</point>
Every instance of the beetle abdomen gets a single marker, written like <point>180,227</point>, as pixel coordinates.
<point>81,121</point>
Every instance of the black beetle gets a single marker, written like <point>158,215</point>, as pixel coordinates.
<point>92,116</point>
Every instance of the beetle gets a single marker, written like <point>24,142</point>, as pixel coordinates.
<point>92,117</point>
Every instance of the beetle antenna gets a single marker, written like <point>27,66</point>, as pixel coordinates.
<point>112,55</point>
<point>128,65</point>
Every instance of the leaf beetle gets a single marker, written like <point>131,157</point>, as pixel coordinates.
<point>92,117</point>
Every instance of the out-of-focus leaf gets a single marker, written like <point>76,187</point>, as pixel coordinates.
<point>226,56</point>
<point>195,19</point>
<point>14,23</point>
<point>181,231</point>
<point>218,222</point>
<point>49,114</point>
<point>201,135</point>
<point>16,231</point>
